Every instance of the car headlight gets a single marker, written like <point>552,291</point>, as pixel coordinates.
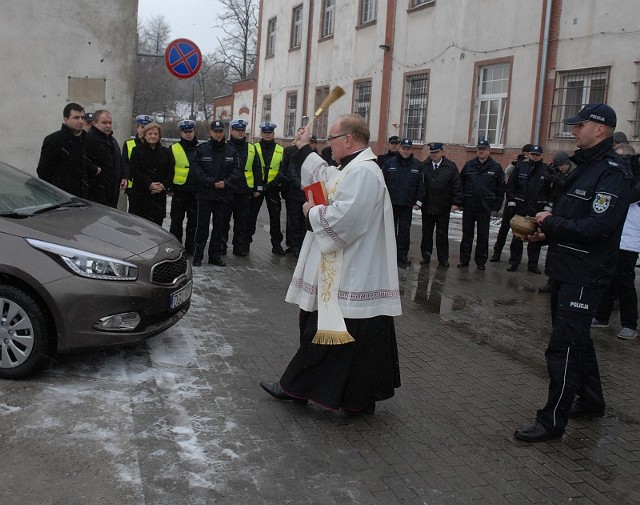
<point>87,264</point>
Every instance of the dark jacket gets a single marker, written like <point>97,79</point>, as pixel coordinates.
<point>293,175</point>
<point>150,165</point>
<point>190,149</point>
<point>482,185</point>
<point>404,180</point>
<point>584,230</point>
<point>64,162</point>
<point>242,185</point>
<point>442,187</point>
<point>526,189</point>
<point>105,187</point>
<point>217,161</point>
<point>383,158</point>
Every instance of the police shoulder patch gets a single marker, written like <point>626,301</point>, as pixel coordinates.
<point>601,202</point>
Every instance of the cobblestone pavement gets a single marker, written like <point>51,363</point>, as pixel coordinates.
<point>180,419</point>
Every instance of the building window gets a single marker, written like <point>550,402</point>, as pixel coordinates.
<point>296,27</point>
<point>416,3</point>
<point>290,118</point>
<point>416,88</point>
<point>328,17</point>
<point>367,11</point>
<point>271,37</point>
<point>573,90</point>
<point>491,103</point>
<point>362,99</point>
<point>266,109</point>
<point>320,124</point>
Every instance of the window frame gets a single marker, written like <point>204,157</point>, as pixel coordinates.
<point>369,7</point>
<point>295,41</point>
<point>502,97</point>
<point>266,111</point>
<point>289,120</point>
<point>328,17</point>
<point>357,98</point>
<point>408,111</point>
<point>320,125</point>
<point>270,46</point>
<point>564,105</point>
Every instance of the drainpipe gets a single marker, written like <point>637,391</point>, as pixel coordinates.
<point>542,73</point>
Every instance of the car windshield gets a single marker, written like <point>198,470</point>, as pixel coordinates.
<point>24,195</point>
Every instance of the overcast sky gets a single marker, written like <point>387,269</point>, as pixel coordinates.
<point>193,20</point>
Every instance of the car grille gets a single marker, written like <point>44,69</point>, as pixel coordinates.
<point>168,272</point>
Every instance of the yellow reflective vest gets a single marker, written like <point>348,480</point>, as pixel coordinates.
<point>181,170</point>
<point>276,160</point>
<point>248,166</point>
<point>131,143</point>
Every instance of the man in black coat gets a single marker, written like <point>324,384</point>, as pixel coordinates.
<point>442,195</point>
<point>64,158</point>
<point>528,195</point>
<point>394,146</point>
<point>218,168</point>
<point>483,190</point>
<point>403,176</point>
<point>105,188</point>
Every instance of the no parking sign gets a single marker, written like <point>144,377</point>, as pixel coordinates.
<point>183,58</point>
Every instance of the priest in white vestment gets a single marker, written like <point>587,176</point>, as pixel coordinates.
<point>345,281</point>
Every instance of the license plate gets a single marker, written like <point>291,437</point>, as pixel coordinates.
<point>179,297</point>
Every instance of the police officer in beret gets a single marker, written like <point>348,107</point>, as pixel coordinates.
<point>270,155</point>
<point>584,234</point>
<point>184,202</point>
<point>244,190</point>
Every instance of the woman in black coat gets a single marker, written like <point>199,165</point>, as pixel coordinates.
<point>152,168</point>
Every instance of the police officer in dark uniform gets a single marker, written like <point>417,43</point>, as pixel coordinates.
<point>184,201</point>
<point>442,194</point>
<point>244,189</point>
<point>528,195</point>
<point>218,168</point>
<point>403,176</point>
<point>483,189</point>
<point>270,155</point>
<point>394,146</point>
<point>584,233</point>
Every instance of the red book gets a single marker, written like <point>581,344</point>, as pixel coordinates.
<point>319,192</point>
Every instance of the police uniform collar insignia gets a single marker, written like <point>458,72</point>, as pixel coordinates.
<point>601,202</point>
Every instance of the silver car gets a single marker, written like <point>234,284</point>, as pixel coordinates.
<point>77,275</point>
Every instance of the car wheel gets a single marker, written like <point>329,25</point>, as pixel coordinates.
<point>25,334</point>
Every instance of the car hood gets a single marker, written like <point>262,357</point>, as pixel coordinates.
<point>93,228</point>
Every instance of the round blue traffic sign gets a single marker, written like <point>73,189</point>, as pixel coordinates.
<point>183,58</point>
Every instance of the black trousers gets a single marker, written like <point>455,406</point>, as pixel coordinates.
<point>570,355</point>
<point>402,216</point>
<point>274,207</point>
<point>238,208</point>
<point>439,222</point>
<point>533,252</point>
<point>503,232</point>
<point>623,288</point>
<point>184,203</point>
<point>296,227</point>
<point>210,212</point>
<point>470,220</point>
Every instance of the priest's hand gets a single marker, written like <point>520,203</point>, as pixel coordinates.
<point>308,204</point>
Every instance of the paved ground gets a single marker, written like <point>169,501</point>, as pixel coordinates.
<point>180,419</point>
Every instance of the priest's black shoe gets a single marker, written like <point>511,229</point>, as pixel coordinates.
<point>580,411</point>
<point>217,262</point>
<point>369,409</point>
<point>277,249</point>
<point>274,389</point>
<point>535,432</point>
<point>462,264</point>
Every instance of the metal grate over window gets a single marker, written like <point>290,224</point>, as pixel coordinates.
<point>415,107</point>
